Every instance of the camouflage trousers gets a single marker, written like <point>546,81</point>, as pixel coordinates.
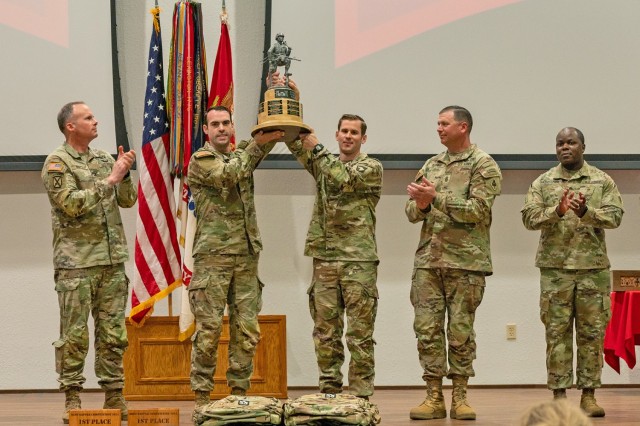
<point>579,297</point>
<point>338,287</point>
<point>219,281</point>
<point>457,293</point>
<point>101,290</point>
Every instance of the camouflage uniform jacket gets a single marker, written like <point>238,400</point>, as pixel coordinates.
<point>223,190</point>
<point>343,224</point>
<point>455,227</point>
<point>570,242</point>
<point>87,227</point>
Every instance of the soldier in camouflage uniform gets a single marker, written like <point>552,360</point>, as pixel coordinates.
<point>452,197</point>
<point>85,188</point>
<point>226,249</point>
<point>342,242</point>
<point>572,204</point>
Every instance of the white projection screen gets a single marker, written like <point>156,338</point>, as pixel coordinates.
<point>53,52</point>
<point>524,68</point>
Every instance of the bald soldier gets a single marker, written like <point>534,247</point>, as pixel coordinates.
<point>451,196</point>
<point>572,204</point>
<point>86,187</point>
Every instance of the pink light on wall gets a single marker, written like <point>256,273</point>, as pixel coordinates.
<point>364,27</point>
<point>45,19</point>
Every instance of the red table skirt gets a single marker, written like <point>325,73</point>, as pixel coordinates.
<point>623,331</point>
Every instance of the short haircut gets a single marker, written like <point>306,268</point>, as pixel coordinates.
<point>354,117</point>
<point>65,113</point>
<point>556,412</point>
<point>460,114</point>
<point>217,108</point>
<point>578,132</point>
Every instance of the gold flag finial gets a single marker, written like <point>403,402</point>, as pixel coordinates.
<point>155,12</point>
<point>224,18</point>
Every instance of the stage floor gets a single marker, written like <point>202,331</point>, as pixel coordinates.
<point>494,406</point>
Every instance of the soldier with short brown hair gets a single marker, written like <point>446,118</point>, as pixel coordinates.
<point>342,242</point>
<point>226,250</point>
<point>451,196</point>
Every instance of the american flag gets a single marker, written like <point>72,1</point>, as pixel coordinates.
<point>157,253</point>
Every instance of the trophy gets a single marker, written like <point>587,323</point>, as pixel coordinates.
<point>280,109</point>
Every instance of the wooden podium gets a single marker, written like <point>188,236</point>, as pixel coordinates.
<point>157,364</point>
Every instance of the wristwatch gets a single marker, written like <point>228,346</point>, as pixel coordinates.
<point>316,149</point>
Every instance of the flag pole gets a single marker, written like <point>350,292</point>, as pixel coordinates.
<point>170,295</point>
<point>223,14</point>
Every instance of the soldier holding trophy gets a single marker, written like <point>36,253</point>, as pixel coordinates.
<point>226,252</point>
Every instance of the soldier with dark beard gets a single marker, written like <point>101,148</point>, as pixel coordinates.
<point>226,250</point>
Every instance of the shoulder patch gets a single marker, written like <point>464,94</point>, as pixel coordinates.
<point>373,162</point>
<point>203,153</point>
<point>54,167</point>
<point>494,184</point>
<point>490,172</point>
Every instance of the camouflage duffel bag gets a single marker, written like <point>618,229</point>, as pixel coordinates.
<point>330,409</point>
<point>240,409</point>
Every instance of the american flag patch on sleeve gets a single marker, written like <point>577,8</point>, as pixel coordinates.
<point>55,167</point>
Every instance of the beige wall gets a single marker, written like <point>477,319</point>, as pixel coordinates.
<point>29,314</point>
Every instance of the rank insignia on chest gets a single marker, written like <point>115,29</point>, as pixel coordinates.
<point>361,168</point>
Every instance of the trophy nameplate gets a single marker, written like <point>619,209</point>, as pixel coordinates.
<point>628,280</point>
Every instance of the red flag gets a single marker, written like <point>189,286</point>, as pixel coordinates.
<point>157,253</point>
<point>221,94</point>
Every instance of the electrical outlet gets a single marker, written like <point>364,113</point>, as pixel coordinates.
<point>511,332</point>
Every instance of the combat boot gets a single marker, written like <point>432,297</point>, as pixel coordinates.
<point>560,393</point>
<point>114,400</point>
<point>460,408</point>
<point>202,398</point>
<point>238,391</point>
<point>71,402</point>
<point>433,406</point>
<point>589,405</point>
